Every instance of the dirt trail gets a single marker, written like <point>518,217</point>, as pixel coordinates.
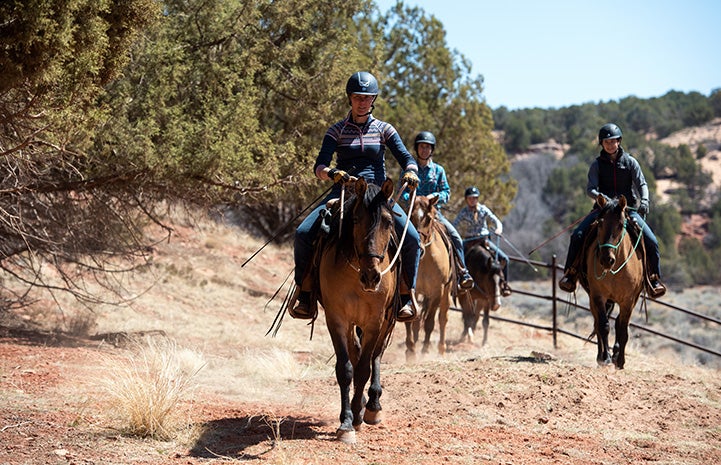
<point>274,400</point>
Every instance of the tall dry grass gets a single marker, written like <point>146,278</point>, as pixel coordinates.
<point>146,387</point>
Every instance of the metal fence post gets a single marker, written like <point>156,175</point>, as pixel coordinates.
<point>554,300</point>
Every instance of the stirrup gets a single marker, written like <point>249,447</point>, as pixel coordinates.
<point>405,314</point>
<point>466,282</point>
<point>505,289</point>
<point>408,311</point>
<point>656,289</point>
<point>568,282</point>
<point>301,310</point>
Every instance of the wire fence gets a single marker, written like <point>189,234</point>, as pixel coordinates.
<point>554,300</point>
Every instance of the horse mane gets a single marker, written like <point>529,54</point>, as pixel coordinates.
<point>610,206</point>
<point>373,202</point>
<point>488,264</point>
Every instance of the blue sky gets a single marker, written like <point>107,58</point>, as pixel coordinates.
<point>556,53</point>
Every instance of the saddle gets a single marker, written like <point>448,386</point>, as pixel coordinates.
<point>482,241</point>
<point>311,281</point>
<point>634,231</point>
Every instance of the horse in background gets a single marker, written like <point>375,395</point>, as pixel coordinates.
<point>358,289</point>
<point>485,296</point>
<point>435,280</point>
<point>614,274</point>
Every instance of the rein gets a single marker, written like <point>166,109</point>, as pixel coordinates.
<point>405,229</point>
<point>616,246</point>
<point>403,236</point>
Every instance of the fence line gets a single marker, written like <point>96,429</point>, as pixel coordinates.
<point>554,299</point>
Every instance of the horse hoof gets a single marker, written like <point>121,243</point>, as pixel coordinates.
<point>346,437</point>
<point>372,418</point>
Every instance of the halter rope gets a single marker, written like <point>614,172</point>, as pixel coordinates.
<point>616,246</point>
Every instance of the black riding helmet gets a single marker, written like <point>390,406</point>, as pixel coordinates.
<point>426,137</point>
<point>362,83</point>
<point>473,192</point>
<point>609,131</point>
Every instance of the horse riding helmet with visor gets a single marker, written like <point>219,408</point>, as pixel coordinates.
<point>473,192</point>
<point>425,137</point>
<point>609,131</point>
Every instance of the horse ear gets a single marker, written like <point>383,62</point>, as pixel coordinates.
<point>622,202</point>
<point>433,201</point>
<point>601,200</point>
<point>360,187</point>
<point>387,188</point>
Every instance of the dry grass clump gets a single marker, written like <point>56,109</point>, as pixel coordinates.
<point>147,385</point>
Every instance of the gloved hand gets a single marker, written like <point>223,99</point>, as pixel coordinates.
<point>605,197</point>
<point>643,208</point>
<point>411,178</point>
<point>338,176</point>
<point>499,231</point>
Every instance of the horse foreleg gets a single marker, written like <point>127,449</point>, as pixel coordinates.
<point>619,348</point>
<point>602,328</point>
<point>429,322</point>
<point>442,322</point>
<point>373,412</point>
<point>361,374</point>
<point>344,376</point>
<point>468,305</point>
<point>486,322</point>
<point>412,329</point>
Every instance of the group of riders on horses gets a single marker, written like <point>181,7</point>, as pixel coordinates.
<point>359,142</point>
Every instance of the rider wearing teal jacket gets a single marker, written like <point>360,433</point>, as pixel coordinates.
<point>433,183</point>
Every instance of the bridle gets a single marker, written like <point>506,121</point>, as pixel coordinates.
<point>400,242</point>
<point>615,247</point>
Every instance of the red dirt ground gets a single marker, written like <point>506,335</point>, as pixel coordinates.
<point>516,401</point>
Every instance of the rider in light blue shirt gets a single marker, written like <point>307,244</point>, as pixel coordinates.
<point>433,183</point>
<point>473,218</point>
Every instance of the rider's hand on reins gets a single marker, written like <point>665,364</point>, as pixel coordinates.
<point>411,179</point>
<point>339,176</point>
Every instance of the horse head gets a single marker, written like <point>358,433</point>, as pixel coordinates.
<point>423,216</point>
<point>611,229</point>
<point>372,230</point>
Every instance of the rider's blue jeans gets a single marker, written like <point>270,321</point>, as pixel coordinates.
<point>308,229</point>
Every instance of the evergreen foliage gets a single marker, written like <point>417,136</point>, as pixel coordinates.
<point>113,108</point>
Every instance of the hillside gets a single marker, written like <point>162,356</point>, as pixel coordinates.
<point>526,223</point>
<point>259,399</point>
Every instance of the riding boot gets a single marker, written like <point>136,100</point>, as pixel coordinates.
<point>505,288</point>
<point>568,282</point>
<point>466,281</point>
<point>657,287</point>
<point>300,307</point>
<point>408,307</point>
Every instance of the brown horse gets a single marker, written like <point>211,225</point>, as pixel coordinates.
<point>358,287</point>
<point>435,277</point>
<point>614,274</point>
<point>485,296</point>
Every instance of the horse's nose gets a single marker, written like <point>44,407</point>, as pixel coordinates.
<point>370,279</point>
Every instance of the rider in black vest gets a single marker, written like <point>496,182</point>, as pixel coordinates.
<point>615,172</point>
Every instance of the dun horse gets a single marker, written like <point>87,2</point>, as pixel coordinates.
<point>435,277</point>
<point>486,293</point>
<point>358,286</point>
<point>614,274</point>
